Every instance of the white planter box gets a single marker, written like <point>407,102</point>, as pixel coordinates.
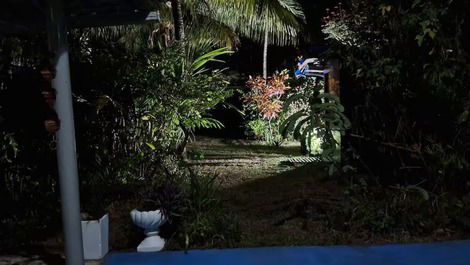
<point>95,236</point>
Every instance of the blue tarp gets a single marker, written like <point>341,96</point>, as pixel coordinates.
<point>448,253</point>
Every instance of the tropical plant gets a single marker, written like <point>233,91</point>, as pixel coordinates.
<point>28,177</point>
<point>267,21</point>
<point>265,95</point>
<point>196,215</point>
<point>147,107</point>
<point>28,189</point>
<point>264,102</point>
<point>195,28</point>
<point>215,22</point>
<point>336,26</point>
<point>265,130</point>
<point>407,92</point>
<point>319,121</point>
<point>191,92</point>
<point>205,222</point>
<point>257,129</point>
<point>169,198</point>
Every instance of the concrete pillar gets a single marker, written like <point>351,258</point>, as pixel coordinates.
<point>66,149</point>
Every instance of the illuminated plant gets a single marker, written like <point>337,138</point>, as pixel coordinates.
<point>264,101</point>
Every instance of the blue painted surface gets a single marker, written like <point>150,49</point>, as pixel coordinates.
<point>448,253</point>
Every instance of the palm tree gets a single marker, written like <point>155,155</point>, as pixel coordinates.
<point>191,20</point>
<point>178,19</point>
<point>266,21</point>
<point>219,22</point>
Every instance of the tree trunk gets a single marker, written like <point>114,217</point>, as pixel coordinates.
<point>178,19</point>
<point>265,55</point>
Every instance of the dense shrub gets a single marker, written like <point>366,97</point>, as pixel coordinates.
<point>135,110</point>
<point>407,94</point>
<point>282,108</point>
<point>409,210</point>
<point>196,216</point>
<point>205,222</point>
<point>263,104</point>
<point>315,118</point>
<point>138,120</point>
<point>28,177</point>
<point>139,106</point>
<point>406,73</point>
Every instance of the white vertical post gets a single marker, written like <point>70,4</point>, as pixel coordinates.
<point>66,149</point>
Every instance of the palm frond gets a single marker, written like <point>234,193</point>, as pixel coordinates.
<point>252,18</point>
<point>206,30</point>
<point>202,60</point>
<point>131,36</point>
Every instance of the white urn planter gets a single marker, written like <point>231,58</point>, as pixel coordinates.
<point>150,221</point>
<point>95,235</point>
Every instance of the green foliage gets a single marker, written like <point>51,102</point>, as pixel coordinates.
<point>318,120</point>
<point>8,148</point>
<point>196,215</point>
<point>176,92</point>
<point>191,203</point>
<point>169,198</point>
<point>391,209</point>
<point>28,180</point>
<point>135,108</point>
<point>337,27</point>
<point>221,22</point>
<point>407,93</point>
<point>406,72</point>
<point>264,130</point>
<point>198,155</point>
<point>280,18</point>
<point>135,122</point>
<point>263,103</point>
<point>148,106</point>
<point>399,209</point>
<point>28,189</point>
<point>205,222</point>
<point>257,128</point>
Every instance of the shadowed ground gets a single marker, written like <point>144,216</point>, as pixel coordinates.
<point>278,204</point>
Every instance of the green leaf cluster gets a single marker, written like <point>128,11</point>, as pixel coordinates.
<point>318,119</point>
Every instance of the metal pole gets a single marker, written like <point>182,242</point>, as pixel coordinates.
<point>66,149</point>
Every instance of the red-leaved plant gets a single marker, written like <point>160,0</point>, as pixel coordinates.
<point>265,95</point>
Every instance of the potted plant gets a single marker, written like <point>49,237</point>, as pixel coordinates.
<point>165,204</point>
<point>150,221</point>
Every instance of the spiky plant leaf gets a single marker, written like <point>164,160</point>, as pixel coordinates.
<point>288,125</point>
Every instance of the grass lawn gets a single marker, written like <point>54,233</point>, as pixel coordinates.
<point>279,204</point>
